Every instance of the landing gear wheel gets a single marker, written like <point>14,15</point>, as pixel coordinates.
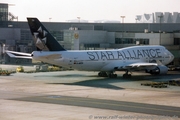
<point>115,75</point>
<point>111,75</point>
<point>102,74</point>
<point>126,75</point>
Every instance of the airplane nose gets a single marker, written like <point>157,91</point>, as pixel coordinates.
<point>171,56</point>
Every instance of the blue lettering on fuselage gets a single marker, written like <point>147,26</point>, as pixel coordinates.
<point>103,55</point>
<point>124,54</point>
<point>110,55</point>
<point>91,55</point>
<point>120,56</point>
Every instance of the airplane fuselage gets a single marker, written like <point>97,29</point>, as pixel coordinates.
<point>105,60</point>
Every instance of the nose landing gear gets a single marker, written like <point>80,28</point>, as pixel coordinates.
<point>126,75</point>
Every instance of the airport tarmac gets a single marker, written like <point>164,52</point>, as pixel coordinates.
<point>80,95</point>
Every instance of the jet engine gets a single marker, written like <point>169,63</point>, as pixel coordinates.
<point>160,69</point>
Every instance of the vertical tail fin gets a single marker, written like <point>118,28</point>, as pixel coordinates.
<point>43,39</point>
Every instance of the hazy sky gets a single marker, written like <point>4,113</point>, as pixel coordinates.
<point>62,10</point>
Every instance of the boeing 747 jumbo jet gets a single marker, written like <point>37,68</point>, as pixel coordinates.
<point>152,59</point>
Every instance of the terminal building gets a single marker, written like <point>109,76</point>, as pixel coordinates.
<point>16,36</point>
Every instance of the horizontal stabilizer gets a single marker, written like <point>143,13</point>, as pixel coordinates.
<point>14,54</point>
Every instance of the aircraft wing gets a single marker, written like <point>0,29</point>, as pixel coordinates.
<point>141,65</point>
<point>19,54</point>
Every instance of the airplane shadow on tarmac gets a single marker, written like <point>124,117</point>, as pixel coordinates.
<point>83,80</point>
<point>92,80</point>
<point>103,82</point>
<point>98,83</point>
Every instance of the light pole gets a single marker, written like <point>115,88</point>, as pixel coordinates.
<point>136,20</point>
<point>122,18</point>
<point>79,18</point>
<point>50,19</point>
<point>160,17</point>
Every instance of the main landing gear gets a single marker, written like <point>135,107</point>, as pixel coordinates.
<point>105,74</point>
<point>112,75</point>
<point>126,75</point>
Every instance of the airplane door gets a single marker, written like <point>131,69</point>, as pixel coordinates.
<point>75,63</point>
<point>147,59</point>
<point>162,56</point>
<point>104,61</point>
<point>70,63</point>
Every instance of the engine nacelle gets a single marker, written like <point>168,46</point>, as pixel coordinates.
<point>160,69</point>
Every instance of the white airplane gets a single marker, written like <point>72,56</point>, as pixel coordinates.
<point>152,59</point>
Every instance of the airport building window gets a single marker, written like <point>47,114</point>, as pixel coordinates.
<point>176,41</point>
<point>124,41</point>
<point>58,35</point>
<point>141,41</point>
<point>3,12</point>
<point>26,35</point>
<point>91,46</point>
<point>68,39</point>
<point>131,41</point>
